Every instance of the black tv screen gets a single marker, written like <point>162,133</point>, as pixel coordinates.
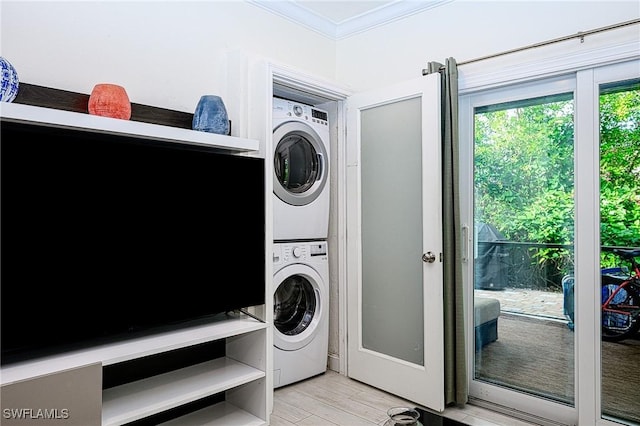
<point>106,237</point>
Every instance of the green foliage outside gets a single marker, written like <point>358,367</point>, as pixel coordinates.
<point>620,169</point>
<point>524,173</point>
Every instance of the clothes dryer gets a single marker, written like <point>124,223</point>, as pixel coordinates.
<point>301,171</point>
<point>301,311</point>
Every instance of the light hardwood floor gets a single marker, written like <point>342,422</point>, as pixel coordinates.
<point>333,399</point>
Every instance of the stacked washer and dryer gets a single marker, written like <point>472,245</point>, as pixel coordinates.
<point>300,231</point>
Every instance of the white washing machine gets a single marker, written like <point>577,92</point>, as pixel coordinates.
<point>301,171</point>
<point>301,311</point>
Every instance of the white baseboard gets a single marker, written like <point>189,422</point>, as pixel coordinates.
<point>334,362</point>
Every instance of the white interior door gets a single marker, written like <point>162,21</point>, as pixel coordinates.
<point>394,240</point>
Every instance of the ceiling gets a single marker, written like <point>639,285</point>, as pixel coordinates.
<point>341,11</point>
<point>341,19</point>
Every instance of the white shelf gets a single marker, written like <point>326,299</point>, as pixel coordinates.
<point>142,398</point>
<point>221,414</point>
<point>74,120</point>
<point>242,375</point>
<point>131,349</point>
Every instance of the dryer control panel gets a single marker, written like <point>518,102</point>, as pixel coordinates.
<point>283,108</point>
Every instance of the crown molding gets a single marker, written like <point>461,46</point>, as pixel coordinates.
<point>298,14</point>
<point>294,12</point>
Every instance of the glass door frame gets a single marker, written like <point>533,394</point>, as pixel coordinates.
<point>587,353</point>
<point>481,393</point>
<point>588,296</point>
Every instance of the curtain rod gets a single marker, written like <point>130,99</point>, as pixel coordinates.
<point>580,35</point>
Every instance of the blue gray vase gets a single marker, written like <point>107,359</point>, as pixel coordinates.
<point>211,115</point>
<point>10,82</point>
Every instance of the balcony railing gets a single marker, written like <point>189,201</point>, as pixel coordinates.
<point>524,265</point>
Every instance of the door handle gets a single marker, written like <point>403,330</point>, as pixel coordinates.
<point>428,257</point>
<point>320,165</point>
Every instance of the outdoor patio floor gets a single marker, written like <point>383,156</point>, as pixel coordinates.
<point>535,348</point>
<point>528,302</point>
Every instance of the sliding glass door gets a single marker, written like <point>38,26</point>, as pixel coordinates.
<point>551,170</point>
<point>523,221</point>
<point>522,227</point>
<point>619,166</point>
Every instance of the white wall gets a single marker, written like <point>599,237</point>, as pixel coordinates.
<point>465,30</point>
<point>165,53</point>
<point>169,53</point>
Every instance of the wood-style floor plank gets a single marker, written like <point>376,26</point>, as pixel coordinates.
<point>332,399</point>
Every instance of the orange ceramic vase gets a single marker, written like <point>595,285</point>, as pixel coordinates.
<point>110,100</point>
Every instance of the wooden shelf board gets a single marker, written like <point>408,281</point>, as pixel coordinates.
<point>74,120</point>
<point>142,398</point>
<point>131,349</point>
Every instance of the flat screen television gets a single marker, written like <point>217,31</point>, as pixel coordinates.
<point>107,237</point>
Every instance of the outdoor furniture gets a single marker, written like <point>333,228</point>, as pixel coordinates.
<point>486,311</point>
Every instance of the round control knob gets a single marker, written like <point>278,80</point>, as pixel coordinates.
<point>297,110</point>
<point>297,252</point>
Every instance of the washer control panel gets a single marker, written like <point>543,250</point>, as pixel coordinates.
<point>299,252</point>
<point>286,108</point>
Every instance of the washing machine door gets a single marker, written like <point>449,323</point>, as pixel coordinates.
<point>300,163</point>
<point>297,306</point>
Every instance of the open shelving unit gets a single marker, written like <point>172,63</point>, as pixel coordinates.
<point>139,399</point>
<point>242,367</point>
<point>233,380</point>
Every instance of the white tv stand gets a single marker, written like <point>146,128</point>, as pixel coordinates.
<point>240,374</point>
<point>241,378</point>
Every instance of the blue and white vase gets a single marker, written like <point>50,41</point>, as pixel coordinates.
<point>10,82</point>
<point>211,115</point>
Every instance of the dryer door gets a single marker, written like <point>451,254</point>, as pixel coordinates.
<point>297,306</point>
<point>300,163</point>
